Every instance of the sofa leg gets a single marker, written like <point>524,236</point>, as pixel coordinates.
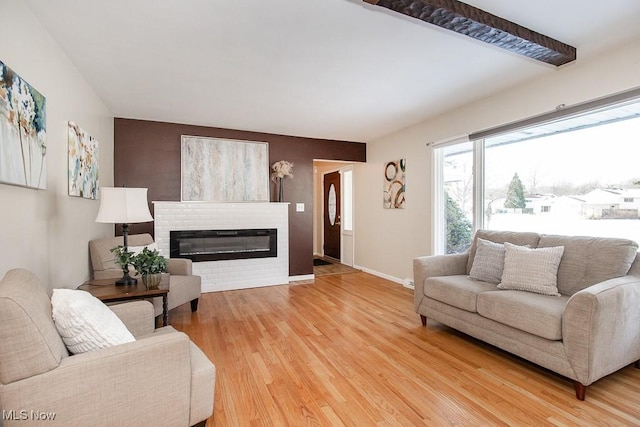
<point>201,424</point>
<point>637,364</point>
<point>581,390</point>
<point>194,305</point>
<point>423,319</point>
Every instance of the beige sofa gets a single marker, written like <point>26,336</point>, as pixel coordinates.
<point>160,379</point>
<point>183,285</point>
<point>590,330</point>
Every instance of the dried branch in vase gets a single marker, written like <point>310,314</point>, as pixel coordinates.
<point>281,169</point>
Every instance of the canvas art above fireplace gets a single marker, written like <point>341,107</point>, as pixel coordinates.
<point>224,170</point>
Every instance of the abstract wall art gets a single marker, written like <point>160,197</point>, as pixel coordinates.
<point>23,133</point>
<point>394,184</point>
<point>83,163</point>
<point>224,170</point>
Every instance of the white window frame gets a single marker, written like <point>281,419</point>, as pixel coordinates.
<point>437,190</point>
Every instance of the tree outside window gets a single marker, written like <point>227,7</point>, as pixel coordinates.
<point>515,194</point>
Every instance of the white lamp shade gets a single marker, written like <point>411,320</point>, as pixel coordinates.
<point>123,205</point>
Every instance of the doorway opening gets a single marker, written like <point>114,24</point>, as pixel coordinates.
<point>333,214</point>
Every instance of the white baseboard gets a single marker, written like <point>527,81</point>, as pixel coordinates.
<point>302,277</point>
<point>383,275</point>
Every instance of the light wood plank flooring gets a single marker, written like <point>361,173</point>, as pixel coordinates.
<point>348,350</point>
<point>333,268</point>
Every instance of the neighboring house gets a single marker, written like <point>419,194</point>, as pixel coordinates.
<point>630,199</point>
<point>567,206</point>
<point>596,204</point>
<point>541,204</point>
<point>612,204</point>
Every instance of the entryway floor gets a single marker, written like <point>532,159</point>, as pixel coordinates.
<point>329,266</point>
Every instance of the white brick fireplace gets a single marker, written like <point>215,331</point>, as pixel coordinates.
<point>228,274</point>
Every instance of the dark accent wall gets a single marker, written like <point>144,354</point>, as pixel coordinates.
<point>147,154</point>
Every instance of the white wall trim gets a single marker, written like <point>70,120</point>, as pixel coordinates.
<point>302,277</point>
<point>379,274</point>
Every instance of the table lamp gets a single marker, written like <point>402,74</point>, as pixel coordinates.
<point>123,205</point>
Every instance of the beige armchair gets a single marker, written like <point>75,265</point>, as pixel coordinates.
<point>183,285</point>
<point>161,379</point>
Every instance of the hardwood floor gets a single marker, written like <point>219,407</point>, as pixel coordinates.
<point>332,268</point>
<point>348,350</point>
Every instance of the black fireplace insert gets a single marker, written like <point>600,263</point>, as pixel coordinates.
<point>214,245</point>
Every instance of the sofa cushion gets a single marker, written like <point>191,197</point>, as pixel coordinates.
<point>459,291</point>
<point>590,260</point>
<point>531,269</point>
<point>488,262</point>
<point>536,314</point>
<point>515,237</point>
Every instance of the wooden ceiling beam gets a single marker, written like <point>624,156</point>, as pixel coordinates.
<point>476,23</point>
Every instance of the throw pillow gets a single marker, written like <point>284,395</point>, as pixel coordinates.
<point>531,269</point>
<point>85,323</point>
<point>488,261</point>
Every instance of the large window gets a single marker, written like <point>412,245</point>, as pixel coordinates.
<point>576,176</point>
<point>456,198</point>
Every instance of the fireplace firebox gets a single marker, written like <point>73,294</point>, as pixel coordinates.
<point>215,245</point>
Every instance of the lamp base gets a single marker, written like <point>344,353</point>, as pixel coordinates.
<point>127,280</point>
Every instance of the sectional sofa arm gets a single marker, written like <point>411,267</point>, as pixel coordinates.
<point>439,265</point>
<point>180,266</point>
<point>138,316</point>
<point>110,386</point>
<point>601,328</point>
<point>436,265</point>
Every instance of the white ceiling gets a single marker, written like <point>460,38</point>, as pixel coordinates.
<point>336,69</point>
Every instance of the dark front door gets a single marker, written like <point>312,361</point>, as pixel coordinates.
<point>332,215</point>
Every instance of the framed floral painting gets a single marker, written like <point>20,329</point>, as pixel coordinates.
<point>83,163</point>
<point>23,132</point>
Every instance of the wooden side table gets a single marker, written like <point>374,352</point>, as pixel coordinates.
<point>107,291</point>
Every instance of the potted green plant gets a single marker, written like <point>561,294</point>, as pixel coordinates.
<point>124,259</point>
<point>150,265</point>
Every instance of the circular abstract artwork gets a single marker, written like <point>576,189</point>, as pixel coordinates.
<point>394,184</point>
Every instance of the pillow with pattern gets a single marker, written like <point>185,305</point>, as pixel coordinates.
<point>531,269</point>
<point>85,323</point>
<point>488,262</point>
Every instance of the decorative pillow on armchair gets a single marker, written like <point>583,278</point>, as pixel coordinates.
<point>531,269</point>
<point>488,262</point>
<point>85,323</point>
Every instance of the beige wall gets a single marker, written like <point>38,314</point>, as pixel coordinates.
<point>387,240</point>
<point>47,231</point>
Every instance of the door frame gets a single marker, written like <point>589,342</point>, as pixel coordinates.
<point>324,193</point>
<point>345,246</point>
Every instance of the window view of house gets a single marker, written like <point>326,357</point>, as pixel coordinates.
<point>577,177</point>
